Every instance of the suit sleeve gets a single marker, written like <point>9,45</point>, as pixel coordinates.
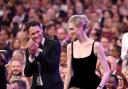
<point>50,60</point>
<point>30,67</point>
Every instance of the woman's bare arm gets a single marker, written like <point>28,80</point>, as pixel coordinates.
<point>69,67</point>
<point>98,49</point>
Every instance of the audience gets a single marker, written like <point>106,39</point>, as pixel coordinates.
<point>108,24</point>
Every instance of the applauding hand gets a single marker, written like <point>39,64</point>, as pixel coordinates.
<point>33,47</point>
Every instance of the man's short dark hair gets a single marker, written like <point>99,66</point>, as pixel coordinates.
<point>32,24</point>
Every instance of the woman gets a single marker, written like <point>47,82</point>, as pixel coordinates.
<point>122,81</point>
<point>112,82</point>
<point>82,55</point>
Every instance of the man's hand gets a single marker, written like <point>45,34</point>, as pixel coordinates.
<point>33,47</point>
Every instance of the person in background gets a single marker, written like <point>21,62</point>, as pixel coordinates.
<point>122,81</point>
<point>105,42</point>
<point>17,84</point>
<point>124,49</point>
<point>63,36</point>
<point>112,82</point>
<point>16,72</point>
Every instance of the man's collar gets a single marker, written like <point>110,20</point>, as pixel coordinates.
<point>43,40</point>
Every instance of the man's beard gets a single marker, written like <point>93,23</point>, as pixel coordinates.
<point>16,74</point>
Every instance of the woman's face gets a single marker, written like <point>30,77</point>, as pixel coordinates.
<point>16,44</point>
<point>110,83</point>
<point>120,82</point>
<point>74,31</point>
<point>21,36</point>
<point>63,58</point>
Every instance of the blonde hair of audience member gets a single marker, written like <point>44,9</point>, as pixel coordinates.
<point>19,55</point>
<point>77,29</point>
<point>22,37</point>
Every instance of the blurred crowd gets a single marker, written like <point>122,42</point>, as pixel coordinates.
<point>107,22</point>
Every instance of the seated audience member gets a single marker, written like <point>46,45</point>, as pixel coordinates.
<point>112,82</point>
<point>122,81</point>
<point>16,72</point>
<point>17,84</point>
<point>63,66</point>
<point>62,36</point>
<point>124,49</point>
<point>125,72</point>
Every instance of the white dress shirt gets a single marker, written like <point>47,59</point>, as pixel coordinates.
<point>124,49</point>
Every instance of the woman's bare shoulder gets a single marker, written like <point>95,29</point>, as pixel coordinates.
<point>97,47</point>
<point>97,44</point>
<point>74,44</point>
<point>69,45</point>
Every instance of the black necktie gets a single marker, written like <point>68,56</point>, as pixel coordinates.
<point>41,46</point>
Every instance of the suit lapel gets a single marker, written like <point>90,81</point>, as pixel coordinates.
<point>46,45</point>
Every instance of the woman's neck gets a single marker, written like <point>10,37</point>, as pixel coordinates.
<point>83,37</point>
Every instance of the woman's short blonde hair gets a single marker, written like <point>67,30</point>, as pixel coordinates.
<point>78,20</point>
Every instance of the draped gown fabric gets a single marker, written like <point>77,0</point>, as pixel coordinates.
<point>84,76</point>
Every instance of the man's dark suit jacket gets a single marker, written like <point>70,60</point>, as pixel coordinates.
<point>49,60</point>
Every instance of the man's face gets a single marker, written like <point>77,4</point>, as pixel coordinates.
<point>4,35</point>
<point>16,67</point>
<point>61,34</point>
<point>35,33</point>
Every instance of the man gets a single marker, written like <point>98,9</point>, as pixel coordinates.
<point>17,84</point>
<point>42,59</point>
<point>16,72</point>
<point>2,70</point>
<point>63,37</point>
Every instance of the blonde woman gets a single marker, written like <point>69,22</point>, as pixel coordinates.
<point>82,55</point>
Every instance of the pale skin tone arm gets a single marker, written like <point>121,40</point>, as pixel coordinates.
<point>69,68</point>
<point>98,49</point>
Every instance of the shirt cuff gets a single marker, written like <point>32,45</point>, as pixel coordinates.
<point>31,59</point>
<point>40,50</point>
